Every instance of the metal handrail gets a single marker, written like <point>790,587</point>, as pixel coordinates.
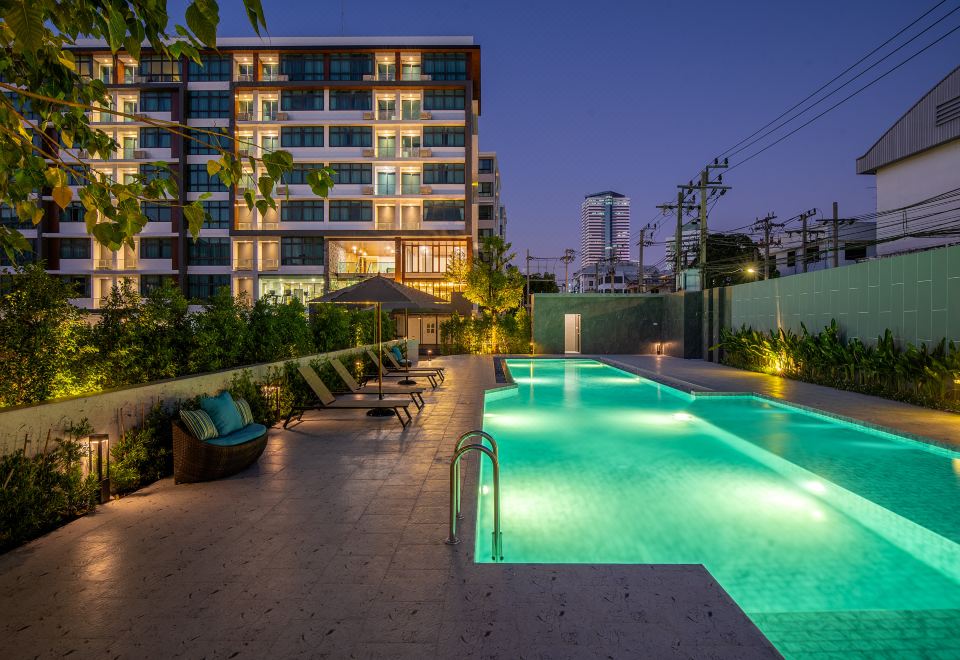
<point>462,441</point>
<point>452,539</point>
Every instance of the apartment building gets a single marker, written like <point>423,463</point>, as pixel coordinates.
<point>491,212</point>
<point>395,117</point>
<point>604,228</point>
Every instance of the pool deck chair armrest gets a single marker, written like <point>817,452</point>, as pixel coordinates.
<point>416,393</point>
<point>325,400</point>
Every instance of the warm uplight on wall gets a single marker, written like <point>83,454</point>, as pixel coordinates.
<point>659,348</point>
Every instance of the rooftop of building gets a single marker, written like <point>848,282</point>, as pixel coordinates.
<point>932,121</point>
<point>605,193</point>
<point>324,42</point>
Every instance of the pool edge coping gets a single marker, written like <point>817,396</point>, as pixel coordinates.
<point>705,392</point>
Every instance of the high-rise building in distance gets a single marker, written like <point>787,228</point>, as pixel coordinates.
<point>604,228</point>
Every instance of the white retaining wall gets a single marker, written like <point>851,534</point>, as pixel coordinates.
<point>103,410</point>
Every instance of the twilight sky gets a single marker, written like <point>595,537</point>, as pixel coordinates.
<point>580,97</point>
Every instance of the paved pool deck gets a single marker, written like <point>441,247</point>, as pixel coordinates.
<point>332,547</point>
<point>941,427</point>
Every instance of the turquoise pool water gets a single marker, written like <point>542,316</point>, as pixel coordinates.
<point>832,537</point>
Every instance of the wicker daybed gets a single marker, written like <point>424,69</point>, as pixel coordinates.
<point>202,460</point>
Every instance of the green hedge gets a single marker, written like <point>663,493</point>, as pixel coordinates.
<point>42,491</point>
<point>915,374</point>
<point>466,334</point>
<point>50,349</point>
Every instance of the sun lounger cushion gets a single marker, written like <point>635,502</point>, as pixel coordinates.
<point>199,424</point>
<point>247,433</point>
<point>223,411</point>
<point>246,415</point>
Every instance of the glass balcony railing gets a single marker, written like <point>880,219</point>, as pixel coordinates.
<point>365,267</point>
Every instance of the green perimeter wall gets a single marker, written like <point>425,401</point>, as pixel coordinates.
<point>916,296</point>
<point>620,323</point>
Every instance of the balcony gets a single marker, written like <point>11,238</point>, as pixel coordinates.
<point>415,152</point>
<point>355,268</point>
<point>269,76</point>
<point>426,116</point>
<point>269,264</point>
<point>133,154</point>
<point>243,264</point>
<point>244,226</point>
<point>244,77</point>
<point>245,116</point>
<point>275,116</point>
<point>103,264</point>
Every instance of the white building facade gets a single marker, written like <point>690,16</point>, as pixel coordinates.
<point>917,168</point>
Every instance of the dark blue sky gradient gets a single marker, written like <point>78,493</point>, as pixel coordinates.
<point>635,96</point>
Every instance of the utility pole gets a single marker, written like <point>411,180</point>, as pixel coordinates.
<point>679,207</point>
<point>836,235</point>
<point>640,244</point>
<point>803,234</point>
<point>528,279</point>
<point>766,224</point>
<point>567,258</point>
<point>707,189</point>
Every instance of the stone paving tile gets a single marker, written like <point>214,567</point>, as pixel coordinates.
<point>332,547</point>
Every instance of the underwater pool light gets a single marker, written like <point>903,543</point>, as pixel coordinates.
<point>682,417</point>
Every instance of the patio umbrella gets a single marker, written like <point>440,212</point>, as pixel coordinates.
<point>383,293</point>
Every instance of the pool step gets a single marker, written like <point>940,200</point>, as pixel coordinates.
<point>863,633</point>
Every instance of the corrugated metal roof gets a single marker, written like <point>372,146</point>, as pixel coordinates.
<point>932,121</point>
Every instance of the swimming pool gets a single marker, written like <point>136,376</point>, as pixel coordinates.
<point>829,535</point>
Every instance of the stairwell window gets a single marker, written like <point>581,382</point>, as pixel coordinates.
<point>301,251</point>
<point>446,210</point>
<point>350,66</point>
<point>444,99</point>
<point>210,67</point>
<point>303,136</point>
<point>350,99</point>
<point>154,138</point>
<point>445,66</point>
<point>209,104</point>
<point>301,99</point>
<point>351,136</point>
<point>302,67</point>
<point>443,136</point>
<point>352,173</point>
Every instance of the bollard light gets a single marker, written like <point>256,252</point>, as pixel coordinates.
<point>98,462</point>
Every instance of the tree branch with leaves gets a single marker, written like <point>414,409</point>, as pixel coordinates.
<point>45,115</point>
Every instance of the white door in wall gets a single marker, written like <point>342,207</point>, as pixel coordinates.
<point>571,333</point>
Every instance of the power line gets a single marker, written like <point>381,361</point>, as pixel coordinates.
<point>846,98</point>
<point>727,152</point>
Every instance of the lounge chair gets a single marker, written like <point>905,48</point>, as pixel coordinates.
<point>429,374</point>
<point>396,357</point>
<point>416,393</point>
<point>394,365</point>
<point>326,400</point>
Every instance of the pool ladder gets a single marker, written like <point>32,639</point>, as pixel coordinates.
<point>459,450</point>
